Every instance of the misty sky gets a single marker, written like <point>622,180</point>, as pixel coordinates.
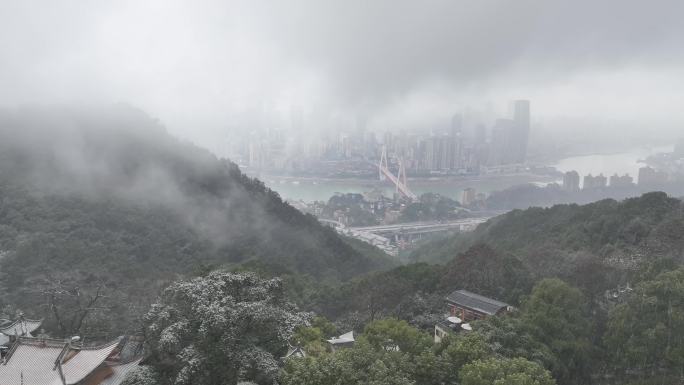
<point>197,64</point>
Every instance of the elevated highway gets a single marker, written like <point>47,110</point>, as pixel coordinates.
<point>424,227</point>
<point>390,238</point>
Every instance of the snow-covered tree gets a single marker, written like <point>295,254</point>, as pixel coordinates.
<point>220,329</point>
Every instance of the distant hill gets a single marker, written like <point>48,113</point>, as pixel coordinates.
<point>106,196</point>
<point>552,241</point>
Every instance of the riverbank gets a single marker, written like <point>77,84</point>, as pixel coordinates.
<point>321,189</point>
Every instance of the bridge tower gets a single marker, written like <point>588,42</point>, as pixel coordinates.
<point>398,181</point>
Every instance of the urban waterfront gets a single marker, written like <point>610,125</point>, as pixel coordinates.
<point>315,189</point>
<point>621,163</point>
<point>321,189</point>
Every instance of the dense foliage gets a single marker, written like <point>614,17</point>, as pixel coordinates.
<point>416,292</point>
<point>106,202</point>
<point>647,331</point>
<point>430,207</point>
<point>99,214</point>
<point>391,352</point>
<point>219,329</point>
<point>553,241</point>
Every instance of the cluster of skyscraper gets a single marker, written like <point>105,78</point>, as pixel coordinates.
<point>467,144</point>
<point>458,151</point>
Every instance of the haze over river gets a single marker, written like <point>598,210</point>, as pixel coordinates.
<point>609,164</point>
<point>311,189</point>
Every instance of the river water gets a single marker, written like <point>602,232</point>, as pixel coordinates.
<point>311,189</point>
<point>609,164</point>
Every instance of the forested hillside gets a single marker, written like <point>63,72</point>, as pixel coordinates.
<point>555,240</point>
<point>105,206</point>
<point>598,291</point>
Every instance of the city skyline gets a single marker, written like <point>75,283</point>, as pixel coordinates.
<point>463,145</point>
<point>595,71</point>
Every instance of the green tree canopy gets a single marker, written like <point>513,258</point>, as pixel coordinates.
<point>506,371</point>
<point>647,332</point>
<point>391,334</point>
<point>220,329</point>
<point>556,315</point>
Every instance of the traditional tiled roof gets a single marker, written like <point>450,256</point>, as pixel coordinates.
<point>32,362</point>
<point>345,338</point>
<point>295,351</point>
<point>85,361</point>
<point>119,372</point>
<point>38,361</point>
<point>22,327</point>
<point>476,302</point>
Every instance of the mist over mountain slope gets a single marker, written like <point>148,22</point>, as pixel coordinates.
<point>105,195</point>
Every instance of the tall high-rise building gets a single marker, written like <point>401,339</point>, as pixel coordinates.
<point>480,134</point>
<point>571,181</point>
<point>456,156</point>
<point>621,181</point>
<point>521,135</point>
<point>456,124</point>
<point>502,138</point>
<point>595,182</point>
<point>650,177</point>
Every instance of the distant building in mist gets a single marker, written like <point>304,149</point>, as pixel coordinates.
<point>441,152</point>
<point>621,181</point>
<point>510,137</point>
<point>468,196</point>
<point>480,134</point>
<point>521,117</point>
<point>571,181</point>
<point>456,124</point>
<point>502,137</point>
<point>595,182</point>
<point>650,177</point>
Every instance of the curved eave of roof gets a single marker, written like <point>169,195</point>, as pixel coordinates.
<point>86,361</point>
<point>113,342</point>
<point>26,326</point>
<point>120,372</point>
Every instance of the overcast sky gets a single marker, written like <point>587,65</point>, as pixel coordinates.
<point>195,64</point>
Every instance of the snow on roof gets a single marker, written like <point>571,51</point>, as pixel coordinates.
<point>476,302</point>
<point>22,327</point>
<point>120,372</point>
<point>86,361</point>
<point>343,339</point>
<point>34,361</point>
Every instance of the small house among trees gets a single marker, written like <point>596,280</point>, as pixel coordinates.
<point>463,307</point>
<point>470,306</point>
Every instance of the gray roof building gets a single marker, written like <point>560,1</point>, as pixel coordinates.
<point>476,303</point>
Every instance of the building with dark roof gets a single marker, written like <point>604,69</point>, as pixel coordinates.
<point>470,306</point>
